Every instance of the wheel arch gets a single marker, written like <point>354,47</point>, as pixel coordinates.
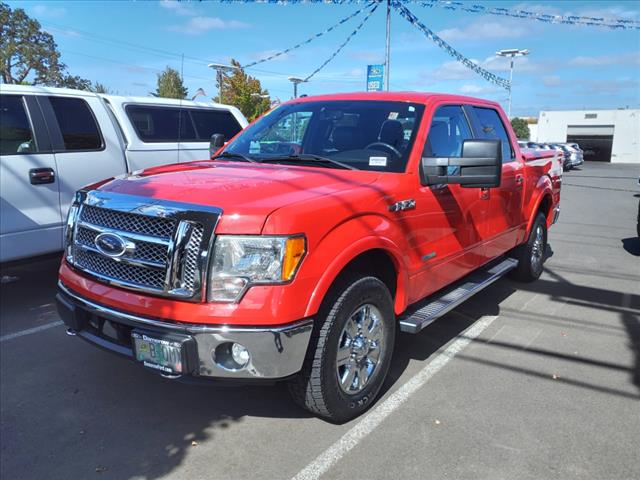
<point>375,256</point>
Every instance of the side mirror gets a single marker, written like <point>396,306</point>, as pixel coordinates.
<point>216,143</point>
<point>479,167</point>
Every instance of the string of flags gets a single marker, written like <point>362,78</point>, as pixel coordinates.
<point>351,35</point>
<point>612,23</point>
<point>411,18</point>
<point>310,39</point>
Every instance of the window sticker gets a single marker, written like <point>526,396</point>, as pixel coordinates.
<point>392,116</point>
<point>377,161</point>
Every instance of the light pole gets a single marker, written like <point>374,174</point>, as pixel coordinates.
<point>261,96</point>
<point>296,81</point>
<point>387,49</point>
<point>511,52</point>
<point>221,69</point>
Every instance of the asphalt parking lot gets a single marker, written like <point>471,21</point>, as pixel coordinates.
<point>536,381</point>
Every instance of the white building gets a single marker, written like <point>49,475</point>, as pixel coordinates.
<point>604,135</point>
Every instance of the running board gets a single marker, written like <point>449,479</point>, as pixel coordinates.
<point>427,311</point>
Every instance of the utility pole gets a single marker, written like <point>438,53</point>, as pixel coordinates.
<point>387,52</point>
<point>511,52</point>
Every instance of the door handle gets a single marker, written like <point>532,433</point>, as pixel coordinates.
<point>38,176</point>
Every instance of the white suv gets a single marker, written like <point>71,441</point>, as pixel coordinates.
<point>54,141</point>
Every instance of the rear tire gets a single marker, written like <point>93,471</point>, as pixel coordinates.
<point>530,255</point>
<point>350,350</point>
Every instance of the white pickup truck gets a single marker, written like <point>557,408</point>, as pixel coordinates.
<point>54,141</point>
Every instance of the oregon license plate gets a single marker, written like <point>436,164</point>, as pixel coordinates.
<point>162,354</point>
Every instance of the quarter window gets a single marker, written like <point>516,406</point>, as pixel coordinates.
<point>449,129</point>
<point>16,134</point>
<point>172,124</point>
<point>77,124</point>
<point>491,127</point>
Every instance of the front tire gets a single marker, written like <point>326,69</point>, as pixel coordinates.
<point>530,255</point>
<point>350,351</point>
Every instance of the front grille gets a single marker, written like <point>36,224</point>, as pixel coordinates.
<point>162,254</point>
<point>97,263</point>
<point>128,222</point>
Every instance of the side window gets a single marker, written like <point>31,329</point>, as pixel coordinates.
<point>449,129</point>
<point>491,127</point>
<point>161,124</point>
<point>77,124</point>
<point>16,134</point>
<point>208,122</point>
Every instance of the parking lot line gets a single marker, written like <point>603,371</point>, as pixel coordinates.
<point>29,331</point>
<point>373,419</point>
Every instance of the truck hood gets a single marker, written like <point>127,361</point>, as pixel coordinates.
<point>247,194</point>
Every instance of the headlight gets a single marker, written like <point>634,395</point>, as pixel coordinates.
<point>241,261</point>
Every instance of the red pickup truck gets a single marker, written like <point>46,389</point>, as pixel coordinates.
<point>301,248</point>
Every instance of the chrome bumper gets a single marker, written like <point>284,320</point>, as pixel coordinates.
<point>276,352</point>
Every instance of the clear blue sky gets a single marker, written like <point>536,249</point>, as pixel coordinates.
<point>124,45</point>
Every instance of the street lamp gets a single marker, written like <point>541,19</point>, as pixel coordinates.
<point>296,81</point>
<point>221,69</point>
<point>511,52</point>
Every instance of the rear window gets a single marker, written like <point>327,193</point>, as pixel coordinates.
<point>16,135</point>
<point>77,124</point>
<point>172,124</point>
<point>491,127</point>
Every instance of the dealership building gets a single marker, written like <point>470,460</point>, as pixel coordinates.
<point>604,135</point>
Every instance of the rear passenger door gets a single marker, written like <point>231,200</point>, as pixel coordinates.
<point>86,144</point>
<point>30,221</point>
<point>504,215</point>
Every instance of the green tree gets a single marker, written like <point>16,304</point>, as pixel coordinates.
<point>170,85</point>
<point>98,87</point>
<point>521,128</point>
<point>29,55</point>
<point>243,91</point>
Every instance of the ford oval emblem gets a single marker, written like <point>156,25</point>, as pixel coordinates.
<point>110,244</point>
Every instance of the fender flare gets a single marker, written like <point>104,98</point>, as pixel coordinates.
<point>544,187</point>
<point>346,255</point>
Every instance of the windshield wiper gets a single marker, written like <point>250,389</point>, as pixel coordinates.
<point>310,157</point>
<point>231,155</point>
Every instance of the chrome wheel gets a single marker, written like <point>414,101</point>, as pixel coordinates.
<point>359,348</point>
<point>537,250</point>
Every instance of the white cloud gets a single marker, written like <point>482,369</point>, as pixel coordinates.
<point>474,89</point>
<point>371,56</point>
<point>180,8</point>
<point>551,81</point>
<point>482,30</point>
<point>48,11</point>
<point>199,25</point>
<point>632,58</point>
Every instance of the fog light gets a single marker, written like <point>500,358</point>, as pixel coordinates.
<point>240,354</point>
<point>231,356</point>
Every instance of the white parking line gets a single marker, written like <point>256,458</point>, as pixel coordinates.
<point>29,331</point>
<point>370,421</point>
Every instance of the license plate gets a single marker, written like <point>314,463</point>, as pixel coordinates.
<point>161,354</point>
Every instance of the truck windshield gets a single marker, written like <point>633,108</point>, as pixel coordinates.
<point>360,134</point>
